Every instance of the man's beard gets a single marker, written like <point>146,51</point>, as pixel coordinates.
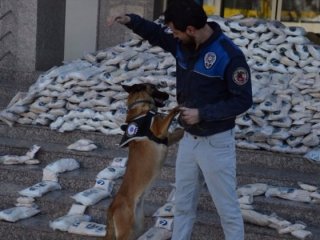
<point>189,42</point>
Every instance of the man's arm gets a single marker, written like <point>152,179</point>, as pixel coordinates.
<point>148,30</point>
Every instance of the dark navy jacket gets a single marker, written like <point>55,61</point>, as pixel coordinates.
<point>215,78</point>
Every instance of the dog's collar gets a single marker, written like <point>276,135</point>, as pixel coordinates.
<point>140,101</point>
<point>139,129</point>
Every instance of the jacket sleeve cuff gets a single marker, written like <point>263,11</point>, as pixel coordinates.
<point>202,114</point>
<point>134,18</point>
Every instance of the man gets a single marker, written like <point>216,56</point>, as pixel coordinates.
<point>213,87</point>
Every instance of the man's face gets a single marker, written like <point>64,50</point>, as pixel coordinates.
<point>184,37</point>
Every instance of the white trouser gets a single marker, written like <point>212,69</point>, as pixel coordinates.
<point>215,157</point>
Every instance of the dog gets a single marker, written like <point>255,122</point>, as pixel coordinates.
<point>147,136</point>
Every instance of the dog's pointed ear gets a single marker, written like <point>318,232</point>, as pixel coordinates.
<point>127,88</point>
<point>160,98</point>
<point>134,88</point>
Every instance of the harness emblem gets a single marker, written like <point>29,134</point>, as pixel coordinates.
<point>240,76</point>
<point>209,59</point>
<point>132,129</point>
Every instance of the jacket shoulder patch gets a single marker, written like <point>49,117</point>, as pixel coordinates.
<point>240,76</point>
<point>209,59</point>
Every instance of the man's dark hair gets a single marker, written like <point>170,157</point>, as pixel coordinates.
<point>183,13</point>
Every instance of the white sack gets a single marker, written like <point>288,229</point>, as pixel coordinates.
<point>40,189</point>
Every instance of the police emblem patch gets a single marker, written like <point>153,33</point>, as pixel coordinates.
<point>132,129</point>
<point>209,59</point>
<point>240,76</point>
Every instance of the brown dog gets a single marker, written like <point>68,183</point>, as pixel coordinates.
<point>147,141</point>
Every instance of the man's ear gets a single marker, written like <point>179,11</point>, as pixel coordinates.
<point>190,30</point>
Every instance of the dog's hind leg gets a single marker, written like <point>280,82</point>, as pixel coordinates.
<point>111,235</point>
<point>123,220</point>
<point>139,218</point>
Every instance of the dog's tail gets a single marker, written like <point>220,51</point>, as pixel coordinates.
<point>110,226</point>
